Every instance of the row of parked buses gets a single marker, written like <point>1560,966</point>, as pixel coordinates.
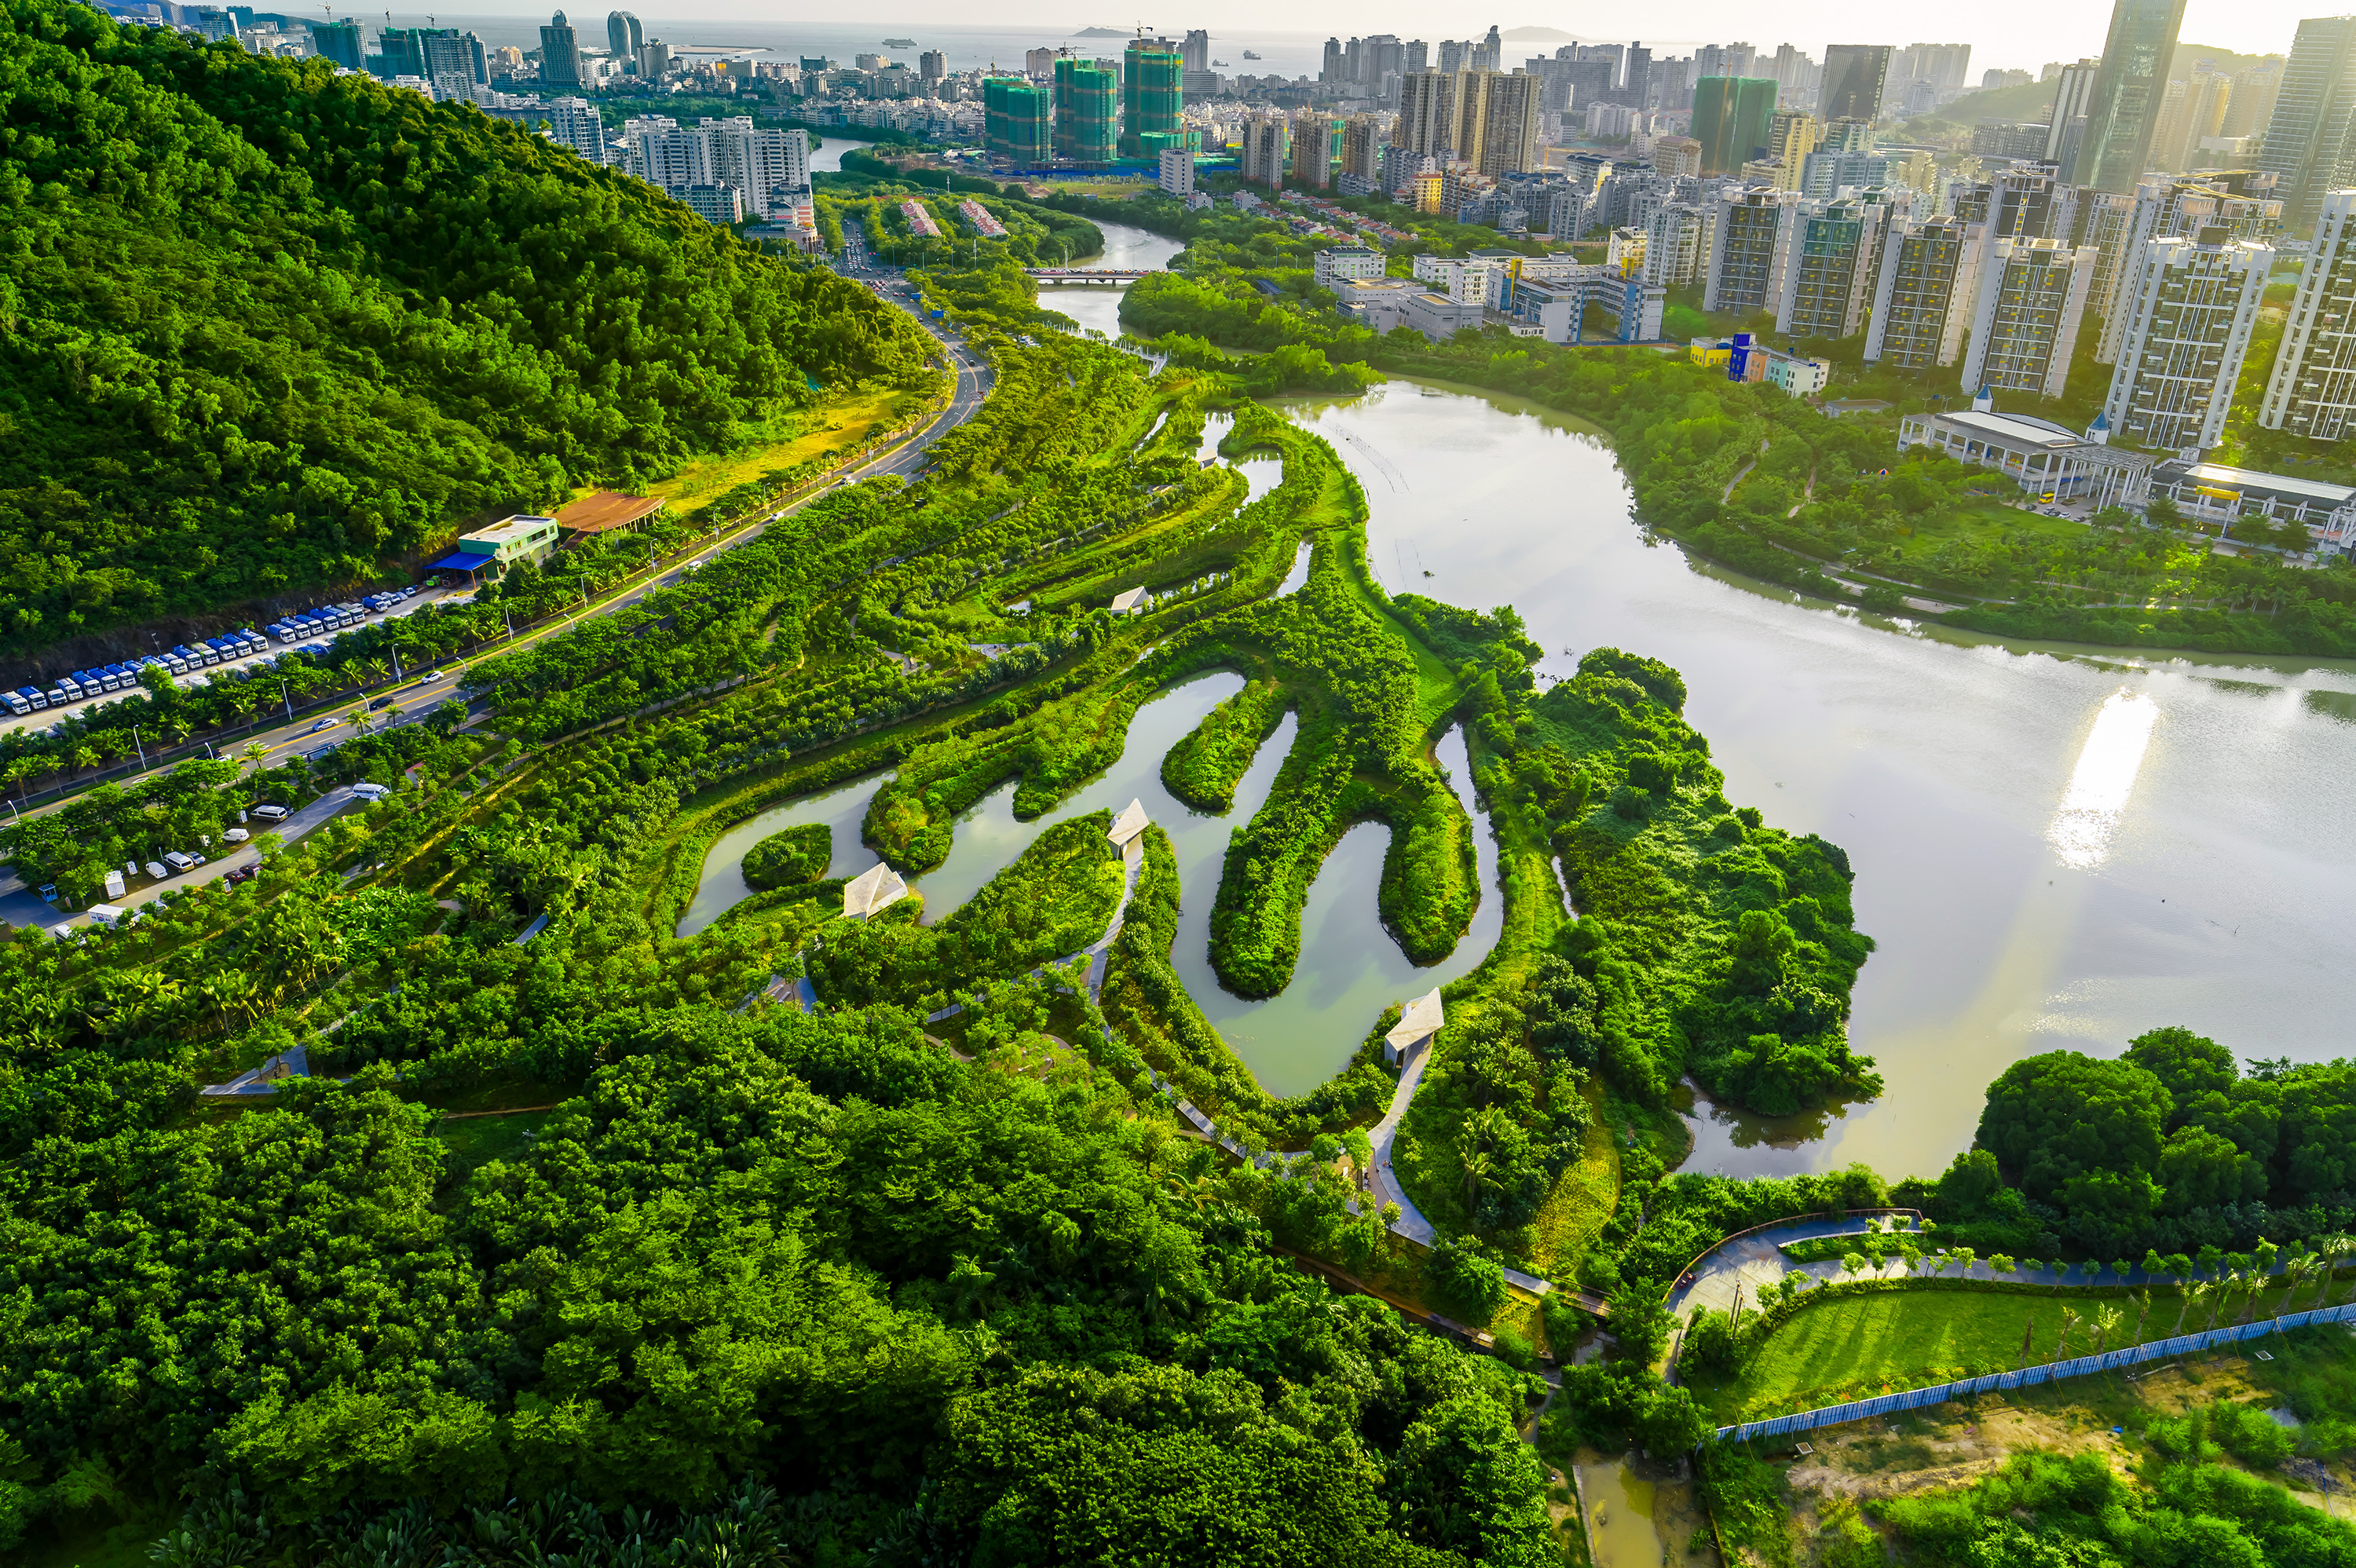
<point>300,629</point>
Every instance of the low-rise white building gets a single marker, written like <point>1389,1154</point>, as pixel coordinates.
<point>1340,262</point>
<point>1437,316</point>
<point>1177,172</point>
<point>2051,462</point>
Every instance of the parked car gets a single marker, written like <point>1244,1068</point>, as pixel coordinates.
<point>367,790</point>
<point>181,861</point>
<point>272,813</point>
<point>156,869</point>
<point>236,835</point>
<point>242,874</point>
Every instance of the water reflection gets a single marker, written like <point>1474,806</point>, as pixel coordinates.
<point>1937,759</point>
<point>2102,780</point>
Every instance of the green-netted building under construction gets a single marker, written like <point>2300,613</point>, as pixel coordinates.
<point>1151,91</point>
<point>1088,112</point>
<point>1015,121</point>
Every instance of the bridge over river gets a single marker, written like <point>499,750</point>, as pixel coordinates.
<point>1086,274</point>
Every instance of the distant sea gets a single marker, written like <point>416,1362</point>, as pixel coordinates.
<point>966,49</point>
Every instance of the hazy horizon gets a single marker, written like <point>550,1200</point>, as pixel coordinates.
<point>2009,34</point>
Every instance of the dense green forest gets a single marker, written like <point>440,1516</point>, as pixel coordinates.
<point>267,328</point>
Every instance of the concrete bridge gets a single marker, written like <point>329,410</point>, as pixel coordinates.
<point>1084,274</point>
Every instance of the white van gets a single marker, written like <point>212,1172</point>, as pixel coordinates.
<point>367,790</point>
<point>156,868</point>
<point>181,861</point>
<point>107,915</point>
<point>271,813</point>
<point>114,884</point>
<point>236,835</point>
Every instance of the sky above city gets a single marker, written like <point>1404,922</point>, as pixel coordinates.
<point>2003,33</point>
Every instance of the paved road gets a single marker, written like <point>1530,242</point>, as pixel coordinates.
<point>417,699</point>
<point>19,907</point>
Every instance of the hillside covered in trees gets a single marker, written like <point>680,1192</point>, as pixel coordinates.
<point>263,327</point>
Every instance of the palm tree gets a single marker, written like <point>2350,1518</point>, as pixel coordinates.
<point>2069,1322</point>
<point>2221,1288</point>
<point>2294,1274</point>
<point>2330,1250</point>
<point>2143,1310</point>
<point>2186,1296</point>
<point>2106,1323</point>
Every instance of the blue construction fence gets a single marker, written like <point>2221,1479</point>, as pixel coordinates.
<point>2078,1367</point>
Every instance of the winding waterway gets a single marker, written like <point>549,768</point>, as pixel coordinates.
<point>2056,846</point>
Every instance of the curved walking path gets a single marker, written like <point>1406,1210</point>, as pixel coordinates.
<point>1755,1258</point>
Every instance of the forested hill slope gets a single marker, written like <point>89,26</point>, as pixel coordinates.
<point>262,326</point>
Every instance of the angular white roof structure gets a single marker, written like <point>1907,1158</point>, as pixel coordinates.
<point>1419,1023</point>
<point>870,891</point>
<point>1125,604</point>
<point>1130,823</point>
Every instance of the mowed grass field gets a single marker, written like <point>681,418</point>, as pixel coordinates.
<point>1858,1347</point>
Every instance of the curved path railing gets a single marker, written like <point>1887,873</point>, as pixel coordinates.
<point>1939,1394</point>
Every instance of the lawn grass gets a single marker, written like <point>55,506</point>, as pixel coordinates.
<point>1583,1198</point>
<point>1858,1347</point>
<point>475,1141</point>
<point>836,425</point>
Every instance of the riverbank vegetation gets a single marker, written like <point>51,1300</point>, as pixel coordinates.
<point>1770,486</point>
<point>390,369</point>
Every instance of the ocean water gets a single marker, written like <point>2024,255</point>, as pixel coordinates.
<point>966,49</point>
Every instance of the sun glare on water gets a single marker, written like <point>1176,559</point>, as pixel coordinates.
<point>2104,778</point>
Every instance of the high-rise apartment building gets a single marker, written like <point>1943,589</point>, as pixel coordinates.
<point>1510,116</point>
<point>2123,113</point>
<point>1490,53</point>
<point>1017,122</point>
<point>1730,120</point>
<point>560,53</point>
<point>1828,280</point>
<point>1925,288</point>
<point>1194,54</point>
<point>1362,147</point>
<point>1037,64</point>
<point>2241,202</point>
<point>2066,124</point>
<point>1088,112</point>
<point>1826,172</point>
<point>2312,391</point>
<point>1791,136</point>
<point>932,67</point>
<point>2190,110</point>
<point>1750,247</point>
<point>768,169</point>
<point>1266,146</point>
<point>1151,93</point>
<point>1482,118</point>
<point>1855,75</point>
<point>2031,300</point>
<point>1676,243</point>
<point>624,37</point>
<point>2252,106</point>
<point>1944,66</point>
<point>2308,147</point>
<point>1177,168</point>
<point>2194,300</point>
<point>571,121</point>
<point>2105,221</point>
<point>1314,135</point>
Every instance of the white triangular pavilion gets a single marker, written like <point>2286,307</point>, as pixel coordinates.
<point>1418,1024</point>
<point>1126,603</point>
<point>871,889</point>
<point>1129,824</point>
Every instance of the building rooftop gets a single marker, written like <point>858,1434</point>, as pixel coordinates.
<point>608,510</point>
<point>2220,474</point>
<point>2020,429</point>
<point>511,528</point>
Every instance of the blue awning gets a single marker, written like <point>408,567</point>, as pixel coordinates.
<point>462,562</point>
